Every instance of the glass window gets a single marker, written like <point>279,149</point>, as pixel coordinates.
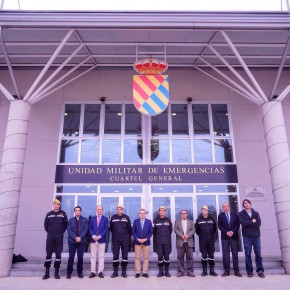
<point>92,120</point>
<point>76,189</point>
<point>220,120</point>
<point>160,151</point>
<point>71,123</point>
<point>121,189</point>
<point>159,124</point>
<point>202,151</point>
<point>131,207</point>
<point>157,201</point>
<point>179,120</point>
<point>88,205</point>
<point>133,121</point>
<point>223,150</point>
<point>69,151</point>
<point>111,151</point>
<point>90,151</point>
<point>183,203</point>
<point>171,188</point>
<point>216,188</point>
<point>113,115</point>
<point>133,151</point>
<point>181,151</point>
<point>200,120</point>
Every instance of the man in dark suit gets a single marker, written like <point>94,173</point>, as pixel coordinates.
<point>98,228</point>
<point>228,224</point>
<point>184,230</point>
<point>77,230</point>
<point>142,232</point>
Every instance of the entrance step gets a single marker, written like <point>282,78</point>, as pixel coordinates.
<point>34,267</point>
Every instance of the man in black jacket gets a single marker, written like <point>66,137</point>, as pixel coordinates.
<point>206,228</point>
<point>162,236</point>
<point>121,228</point>
<point>251,223</point>
<point>55,225</point>
<point>229,225</point>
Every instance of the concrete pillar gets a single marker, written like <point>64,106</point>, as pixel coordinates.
<point>11,171</point>
<point>279,165</point>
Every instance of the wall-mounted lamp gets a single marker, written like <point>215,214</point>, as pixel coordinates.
<point>103,99</point>
<point>189,99</point>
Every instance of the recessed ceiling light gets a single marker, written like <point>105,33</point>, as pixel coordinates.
<point>65,114</point>
<point>119,114</point>
<point>173,114</point>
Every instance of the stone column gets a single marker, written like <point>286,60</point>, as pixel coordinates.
<point>279,166</point>
<point>11,172</point>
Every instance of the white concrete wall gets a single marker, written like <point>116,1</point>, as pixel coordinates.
<point>42,147</point>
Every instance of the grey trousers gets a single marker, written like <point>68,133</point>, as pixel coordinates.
<point>187,252</point>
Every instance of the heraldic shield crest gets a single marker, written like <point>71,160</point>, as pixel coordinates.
<point>150,89</point>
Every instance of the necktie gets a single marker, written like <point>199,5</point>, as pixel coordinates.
<point>142,224</point>
<point>98,220</point>
<point>228,217</point>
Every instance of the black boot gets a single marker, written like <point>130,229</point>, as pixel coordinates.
<point>167,271</point>
<point>211,270</point>
<point>115,273</point>
<point>124,275</point>
<point>46,275</point>
<point>161,273</point>
<point>56,274</point>
<point>204,268</point>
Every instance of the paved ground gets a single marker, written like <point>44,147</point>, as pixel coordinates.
<point>271,282</point>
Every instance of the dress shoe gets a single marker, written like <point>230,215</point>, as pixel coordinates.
<point>80,275</point>
<point>261,275</point>
<point>101,275</point>
<point>250,274</point>
<point>179,274</point>
<point>225,274</point>
<point>92,275</point>
<point>190,275</point>
<point>238,274</point>
<point>145,275</point>
<point>68,276</point>
<point>137,275</point>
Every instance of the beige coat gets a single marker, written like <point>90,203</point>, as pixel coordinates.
<point>179,233</point>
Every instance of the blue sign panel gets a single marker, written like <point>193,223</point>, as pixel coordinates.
<point>146,174</point>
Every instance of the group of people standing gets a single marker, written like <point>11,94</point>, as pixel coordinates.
<point>56,223</point>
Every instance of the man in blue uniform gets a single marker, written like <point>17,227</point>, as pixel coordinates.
<point>77,230</point>
<point>120,226</point>
<point>162,236</point>
<point>206,228</point>
<point>55,224</point>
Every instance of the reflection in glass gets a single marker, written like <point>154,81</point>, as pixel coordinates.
<point>92,120</point>
<point>88,205</point>
<point>159,124</point>
<point>121,189</point>
<point>181,151</point>
<point>223,150</point>
<point>109,204</point>
<point>220,120</point>
<point>202,151</point>
<point>90,151</point>
<point>69,151</point>
<point>183,203</point>
<point>131,207</point>
<point>76,189</point>
<point>111,151</point>
<point>157,201</point>
<point>200,119</point>
<point>133,151</point>
<point>171,188</point>
<point>210,202</point>
<point>179,120</point>
<point>160,151</point>
<point>132,121</point>
<point>216,188</point>
<point>71,123</point>
<point>113,115</point>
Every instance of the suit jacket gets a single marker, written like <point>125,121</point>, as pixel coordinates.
<point>225,227</point>
<point>72,229</point>
<point>138,233</point>
<point>100,230</point>
<point>179,233</point>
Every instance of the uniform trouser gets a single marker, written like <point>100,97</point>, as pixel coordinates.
<point>124,246</point>
<point>53,244</point>
<point>163,252</point>
<point>80,249</point>
<point>233,246</point>
<point>145,253</point>
<point>186,251</point>
<point>207,251</point>
<point>100,248</point>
